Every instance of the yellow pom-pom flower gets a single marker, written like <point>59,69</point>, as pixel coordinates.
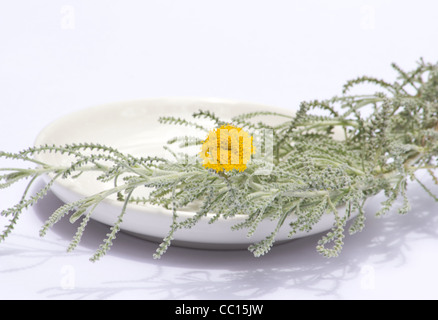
<point>227,148</point>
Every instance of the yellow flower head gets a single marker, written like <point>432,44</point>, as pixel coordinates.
<point>227,148</point>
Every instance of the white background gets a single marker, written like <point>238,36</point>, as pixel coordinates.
<point>57,57</point>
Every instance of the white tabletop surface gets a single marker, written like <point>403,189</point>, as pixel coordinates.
<point>57,57</point>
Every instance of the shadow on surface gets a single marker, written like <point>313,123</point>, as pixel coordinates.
<point>202,274</point>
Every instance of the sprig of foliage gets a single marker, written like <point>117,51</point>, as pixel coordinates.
<point>313,174</point>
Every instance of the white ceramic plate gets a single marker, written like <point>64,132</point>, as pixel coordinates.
<point>132,127</point>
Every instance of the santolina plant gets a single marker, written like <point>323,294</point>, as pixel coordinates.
<point>388,136</point>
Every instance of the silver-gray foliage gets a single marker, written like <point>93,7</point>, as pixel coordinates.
<point>312,174</point>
